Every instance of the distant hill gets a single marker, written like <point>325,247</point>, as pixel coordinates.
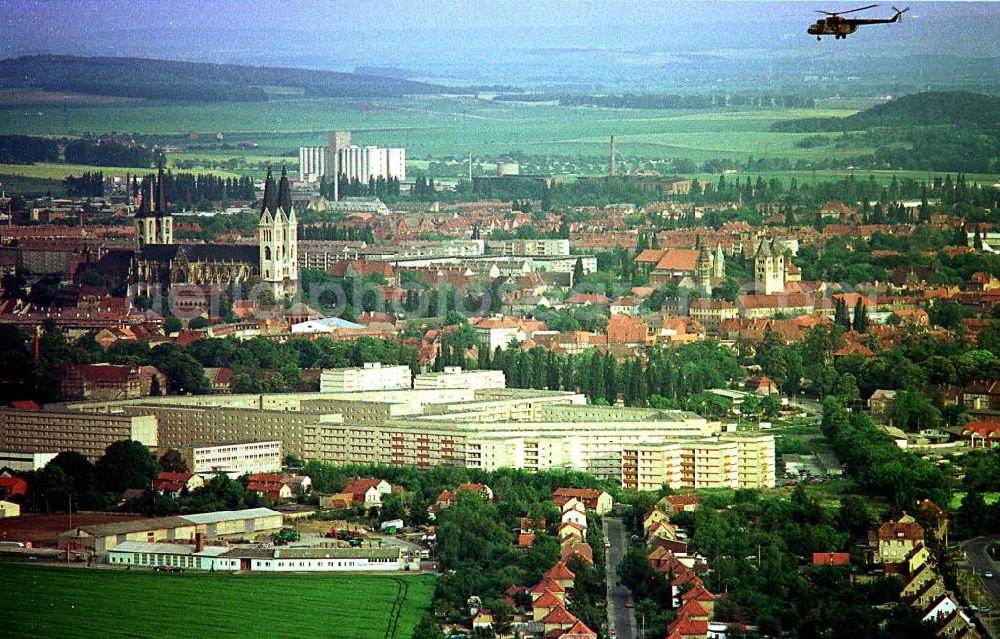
<point>193,82</point>
<point>954,108</point>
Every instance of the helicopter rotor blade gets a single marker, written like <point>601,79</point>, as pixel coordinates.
<point>871,6</point>
<point>839,13</point>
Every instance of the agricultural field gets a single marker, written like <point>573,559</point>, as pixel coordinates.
<point>80,602</point>
<point>564,141</point>
<point>438,126</point>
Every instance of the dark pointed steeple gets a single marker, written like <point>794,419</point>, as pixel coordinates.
<point>144,201</point>
<point>284,192</point>
<point>270,200</point>
<point>161,196</point>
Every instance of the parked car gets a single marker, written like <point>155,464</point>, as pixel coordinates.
<point>629,604</point>
<point>988,574</point>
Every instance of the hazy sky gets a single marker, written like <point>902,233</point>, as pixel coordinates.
<point>473,39</point>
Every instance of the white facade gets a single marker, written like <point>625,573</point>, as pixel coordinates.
<point>455,377</point>
<point>313,163</point>
<point>189,557</point>
<point>372,376</point>
<point>240,458</point>
<point>9,509</point>
<point>365,163</point>
<point>24,462</point>
<point>530,247</point>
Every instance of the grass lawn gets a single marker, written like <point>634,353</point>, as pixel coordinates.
<point>46,601</point>
<point>989,498</point>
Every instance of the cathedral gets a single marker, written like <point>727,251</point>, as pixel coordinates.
<point>158,263</point>
<point>710,268</point>
<point>769,268</point>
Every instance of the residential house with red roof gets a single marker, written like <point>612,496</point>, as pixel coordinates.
<point>561,575</point>
<point>368,490</point>
<point>577,549</point>
<point>11,486</point>
<point>593,499</point>
<point>897,539</point>
<point>174,484</point>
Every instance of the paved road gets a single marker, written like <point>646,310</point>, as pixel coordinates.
<point>979,562</point>
<point>621,618</point>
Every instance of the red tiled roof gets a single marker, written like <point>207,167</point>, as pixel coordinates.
<point>831,559</point>
<point>581,549</point>
<point>25,405</point>
<point>560,571</point>
<point>779,301</point>
<point>549,584</point>
<point>547,600</point>
<point>526,540</point>
<point>895,530</point>
<point>854,348</point>
<point>559,615</point>
<point>677,260</point>
<point>579,631</point>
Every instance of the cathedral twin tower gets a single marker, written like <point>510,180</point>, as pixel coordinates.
<point>158,262</point>
<point>277,237</point>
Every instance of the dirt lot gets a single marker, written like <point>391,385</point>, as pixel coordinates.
<point>43,530</point>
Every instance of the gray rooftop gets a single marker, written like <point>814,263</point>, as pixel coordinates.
<point>169,549</point>
<point>229,515</point>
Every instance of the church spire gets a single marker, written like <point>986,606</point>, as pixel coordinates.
<point>270,201</point>
<point>161,196</point>
<point>145,197</point>
<point>284,192</point>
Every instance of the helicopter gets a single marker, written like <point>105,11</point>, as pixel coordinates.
<point>840,27</point>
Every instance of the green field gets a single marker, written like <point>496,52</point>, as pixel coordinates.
<point>47,601</point>
<point>438,126</point>
<point>561,140</point>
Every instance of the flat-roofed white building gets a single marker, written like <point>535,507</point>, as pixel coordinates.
<point>540,247</point>
<point>312,559</point>
<point>372,376</point>
<point>365,163</point>
<point>455,377</point>
<point>239,458</point>
<point>313,163</point>
<point>24,461</point>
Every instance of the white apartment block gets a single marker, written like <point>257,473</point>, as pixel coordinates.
<point>371,162</point>
<point>541,248</point>
<point>371,376</point>
<point>455,377</point>
<point>727,461</point>
<point>238,458</point>
<point>313,163</point>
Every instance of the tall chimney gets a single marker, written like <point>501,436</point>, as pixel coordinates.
<point>470,166</point>
<point>612,156</point>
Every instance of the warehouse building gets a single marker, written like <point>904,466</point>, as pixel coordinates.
<point>102,538</point>
<point>200,557</point>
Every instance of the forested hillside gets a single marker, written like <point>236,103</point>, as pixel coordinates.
<point>956,108</point>
<point>188,81</point>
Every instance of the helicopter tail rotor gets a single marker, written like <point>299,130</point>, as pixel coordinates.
<point>899,13</point>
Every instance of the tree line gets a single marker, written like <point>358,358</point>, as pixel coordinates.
<point>102,152</point>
